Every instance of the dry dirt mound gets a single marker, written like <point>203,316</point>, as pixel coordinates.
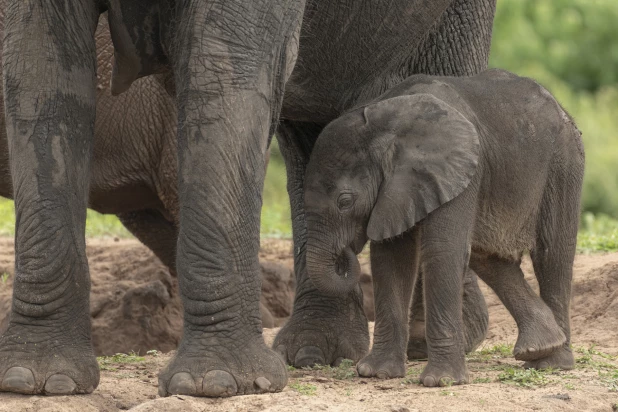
<point>134,303</point>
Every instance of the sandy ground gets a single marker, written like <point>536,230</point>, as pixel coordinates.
<point>132,292</point>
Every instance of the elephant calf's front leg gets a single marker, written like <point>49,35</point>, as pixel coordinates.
<point>444,258</point>
<point>394,265</point>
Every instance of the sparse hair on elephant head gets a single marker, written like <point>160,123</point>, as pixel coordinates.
<point>377,171</point>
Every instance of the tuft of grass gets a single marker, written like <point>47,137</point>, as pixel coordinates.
<point>525,378</point>
<point>4,278</point>
<point>344,371</point>
<point>499,351</point>
<point>481,380</point>
<point>445,392</point>
<point>304,388</point>
<point>106,362</point>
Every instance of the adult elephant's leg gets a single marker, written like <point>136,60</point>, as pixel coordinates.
<point>321,330</point>
<point>155,231</point>
<point>49,85</point>
<point>458,46</point>
<point>231,62</point>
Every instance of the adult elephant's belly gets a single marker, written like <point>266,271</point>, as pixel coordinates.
<point>351,52</point>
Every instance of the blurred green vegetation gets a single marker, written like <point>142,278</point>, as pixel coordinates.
<point>569,46</point>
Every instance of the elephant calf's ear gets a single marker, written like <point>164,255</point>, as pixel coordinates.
<point>434,158</point>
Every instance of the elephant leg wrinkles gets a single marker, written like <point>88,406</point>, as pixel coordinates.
<point>50,111</point>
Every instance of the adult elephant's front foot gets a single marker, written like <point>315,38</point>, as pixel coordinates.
<point>324,331</point>
<point>216,368</point>
<point>59,364</point>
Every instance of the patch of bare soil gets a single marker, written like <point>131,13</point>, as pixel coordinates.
<point>135,307</point>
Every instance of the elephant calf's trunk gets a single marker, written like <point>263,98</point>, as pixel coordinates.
<point>333,276</point>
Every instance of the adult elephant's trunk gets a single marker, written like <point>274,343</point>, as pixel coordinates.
<point>334,273</point>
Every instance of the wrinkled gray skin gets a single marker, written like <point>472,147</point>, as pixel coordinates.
<point>134,172</point>
<point>440,173</point>
<point>228,62</point>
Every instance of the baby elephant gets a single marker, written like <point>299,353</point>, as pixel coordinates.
<point>441,173</point>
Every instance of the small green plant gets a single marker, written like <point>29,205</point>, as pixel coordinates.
<point>590,359</point>
<point>4,277</point>
<point>291,368</point>
<point>444,392</point>
<point>569,386</point>
<point>153,352</point>
<point>304,388</point>
<point>106,362</point>
<point>482,380</point>
<point>345,370</point>
<point>525,378</point>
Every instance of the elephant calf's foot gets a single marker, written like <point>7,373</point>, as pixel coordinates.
<point>445,373</point>
<point>324,333</point>
<point>31,363</point>
<point>559,359</point>
<point>220,369</point>
<point>382,365</point>
<point>540,340</point>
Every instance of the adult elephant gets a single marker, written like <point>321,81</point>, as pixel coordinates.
<point>230,62</point>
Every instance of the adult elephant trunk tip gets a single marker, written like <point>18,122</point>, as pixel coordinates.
<point>333,275</point>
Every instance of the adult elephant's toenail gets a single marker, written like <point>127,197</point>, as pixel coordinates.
<point>182,383</point>
<point>18,379</point>
<point>429,381</point>
<point>382,375</point>
<point>218,384</point>
<point>262,384</point>
<point>281,350</point>
<point>60,384</point>
<point>309,356</point>
<point>364,370</point>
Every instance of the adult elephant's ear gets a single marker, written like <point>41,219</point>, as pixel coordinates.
<point>429,154</point>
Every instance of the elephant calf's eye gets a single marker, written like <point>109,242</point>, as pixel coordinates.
<point>345,201</point>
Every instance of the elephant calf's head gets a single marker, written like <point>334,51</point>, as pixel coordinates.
<point>375,172</point>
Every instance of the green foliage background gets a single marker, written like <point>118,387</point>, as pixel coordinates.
<point>569,46</point>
